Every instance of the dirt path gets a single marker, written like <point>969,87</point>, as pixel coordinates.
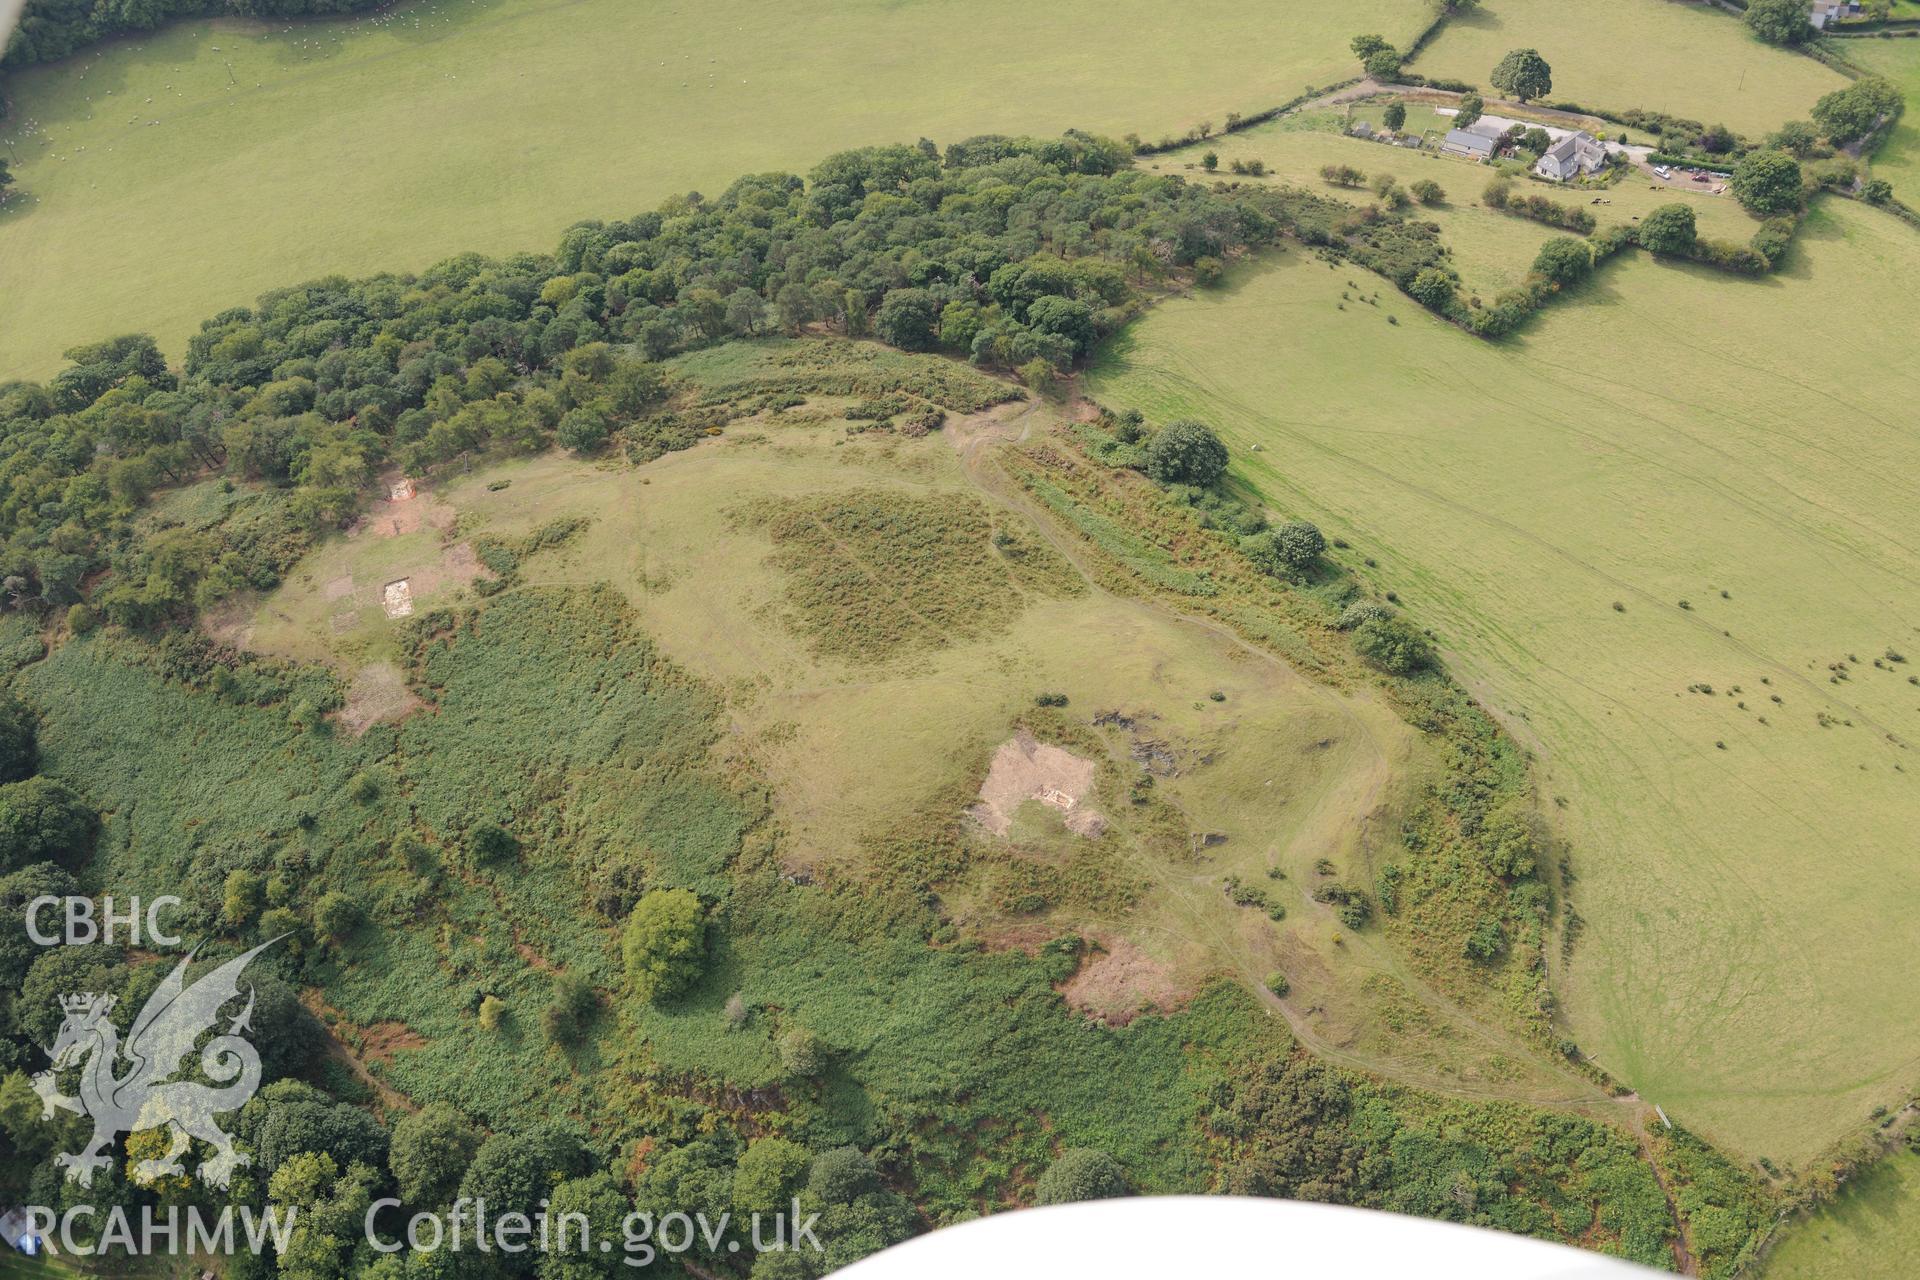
<point>389,1100</point>
<point>1683,1259</point>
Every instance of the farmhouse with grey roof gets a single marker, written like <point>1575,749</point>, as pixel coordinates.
<point>1573,156</point>
<point>1825,11</point>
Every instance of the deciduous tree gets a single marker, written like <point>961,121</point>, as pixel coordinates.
<point>1564,260</point>
<point>768,1174</point>
<point>1849,114</point>
<point>1186,452</point>
<point>432,1148</point>
<point>1767,183</point>
<point>1781,22</point>
<point>1384,65</point>
<point>17,730</point>
<point>907,319</point>
<point>1669,231</point>
<point>1523,74</point>
<point>42,820</point>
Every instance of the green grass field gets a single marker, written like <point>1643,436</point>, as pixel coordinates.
<point>1898,159</point>
<point>1491,250</point>
<point>1667,435</point>
<point>175,176</point>
<point>1420,118</point>
<point>1868,1234</point>
<point>1692,60</point>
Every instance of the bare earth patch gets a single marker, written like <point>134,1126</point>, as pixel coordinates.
<point>1024,768</point>
<point>380,1041</point>
<point>397,598</point>
<point>394,514</point>
<point>231,621</point>
<point>378,693</point>
<point>1121,982</point>
<point>457,565</point>
<point>359,1049</point>
<point>534,959</point>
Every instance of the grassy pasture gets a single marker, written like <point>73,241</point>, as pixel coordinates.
<point>1491,250</point>
<point>1421,118</point>
<point>1898,159</point>
<point>1691,60</point>
<point>1649,441</point>
<point>1867,1234</point>
<point>392,141</point>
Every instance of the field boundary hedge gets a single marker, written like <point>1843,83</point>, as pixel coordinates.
<point>1236,122</point>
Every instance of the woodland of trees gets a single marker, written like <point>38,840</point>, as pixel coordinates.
<point>52,29</point>
<point>1008,251</point>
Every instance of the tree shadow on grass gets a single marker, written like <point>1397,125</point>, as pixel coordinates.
<point>1600,290</point>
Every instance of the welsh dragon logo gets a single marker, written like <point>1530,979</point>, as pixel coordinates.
<point>125,1088</point>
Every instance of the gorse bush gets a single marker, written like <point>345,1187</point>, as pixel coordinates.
<point>1285,550</point>
<point>664,944</point>
<point>1392,644</point>
<point>1080,1174</point>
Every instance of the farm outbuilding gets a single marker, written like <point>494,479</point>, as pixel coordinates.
<point>1464,142</point>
